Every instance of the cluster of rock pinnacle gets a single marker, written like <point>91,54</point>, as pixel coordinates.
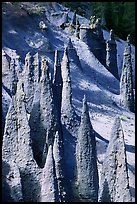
<point>41,118</point>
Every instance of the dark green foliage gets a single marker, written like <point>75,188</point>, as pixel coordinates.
<point>119,16</point>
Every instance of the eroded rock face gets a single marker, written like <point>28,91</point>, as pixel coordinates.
<point>111,55</point>
<point>126,80</point>
<point>49,188</point>
<point>47,108</point>
<point>87,173</point>
<point>114,185</point>
<point>9,146</point>
<point>67,108</point>
<point>58,155</point>
<point>11,182</point>
<point>57,84</point>
<point>28,80</point>
<point>94,38</point>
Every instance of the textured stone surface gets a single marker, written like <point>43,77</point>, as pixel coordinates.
<point>58,155</point>
<point>95,40</point>
<point>47,108</point>
<point>72,54</point>
<point>29,170</point>
<point>87,173</point>
<point>67,109</point>
<point>111,55</point>
<point>9,146</point>
<point>28,80</point>
<point>57,84</point>
<point>126,80</point>
<point>114,185</point>
<point>14,78</point>
<point>49,188</point>
<point>11,182</point>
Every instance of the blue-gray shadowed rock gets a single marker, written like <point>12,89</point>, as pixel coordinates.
<point>77,30</point>
<point>111,55</point>
<point>69,116</point>
<point>74,19</point>
<point>86,159</point>
<point>49,186</point>
<point>70,123</point>
<point>95,40</point>
<point>18,66</point>
<point>72,54</point>
<point>9,146</point>
<point>57,84</point>
<point>37,131</point>
<point>29,171</point>
<point>58,154</point>
<point>36,64</point>
<point>6,72</point>
<point>114,170</point>
<point>6,100</point>
<point>11,182</point>
<point>14,78</point>
<point>126,80</point>
<point>64,20</point>
<point>28,80</point>
<point>47,108</point>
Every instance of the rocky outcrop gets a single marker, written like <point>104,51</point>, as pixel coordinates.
<point>28,168</point>
<point>114,174</point>
<point>14,78</point>
<point>57,84</point>
<point>28,80</point>
<point>36,64</point>
<point>11,182</point>
<point>47,108</point>
<point>111,55</point>
<point>94,38</point>
<point>72,54</point>
<point>126,80</point>
<point>69,116</point>
<point>86,171</point>
<point>9,146</point>
<point>49,188</point>
<point>58,154</point>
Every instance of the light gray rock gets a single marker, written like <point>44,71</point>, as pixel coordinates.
<point>28,80</point>
<point>14,78</point>
<point>28,168</point>
<point>58,155</point>
<point>6,100</point>
<point>69,117</point>
<point>47,108</point>
<point>36,64</point>
<point>126,80</point>
<point>86,158</point>
<point>49,186</point>
<point>9,146</point>
<point>114,174</point>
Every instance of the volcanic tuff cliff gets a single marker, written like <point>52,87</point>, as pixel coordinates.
<point>54,147</point>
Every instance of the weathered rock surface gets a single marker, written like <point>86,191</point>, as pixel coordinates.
<point>126,80</point>
<point>86,157</point>
<point>114,185</point>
